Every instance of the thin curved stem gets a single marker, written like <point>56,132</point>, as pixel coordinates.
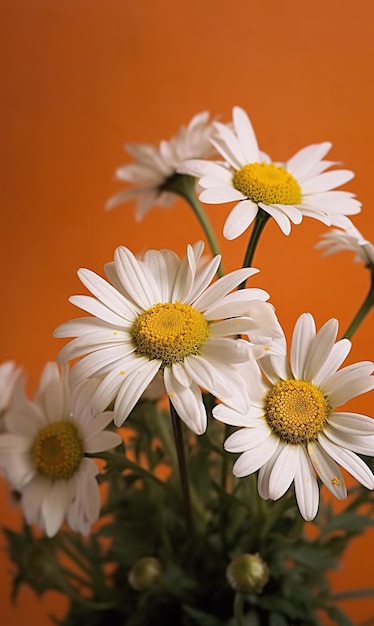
<point>362,312</point>
<point>184,186</point>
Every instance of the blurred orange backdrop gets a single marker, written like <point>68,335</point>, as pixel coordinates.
<point>82,77</point>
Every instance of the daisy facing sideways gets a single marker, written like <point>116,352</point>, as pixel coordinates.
<point>292,430</point>
<point>43,452</point>
<point>286,191</point>
<point>337,240</point>
<point>155,166</point>
<point>162,314</point>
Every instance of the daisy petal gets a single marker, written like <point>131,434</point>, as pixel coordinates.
<point>246,135</point>
<point>240,218</point>
<point>306,487</point>
<point>283,471</point>
<point>187,402</point>
<point>303,334</point>
<point>327,470</point>
<point>349,460</point>
<point>252,460</point>
<point>132,388</point>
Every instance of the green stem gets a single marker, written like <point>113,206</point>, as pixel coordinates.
<point>184,186</point>
<point>169,445</point>
<point>362,312</point>
<point>239,609</point>
<point>352,594</point>
<point>84,582</point>
<point>72,552</point>
<point>122,462</point>
<point>259,225</point>
<point>179,446</point>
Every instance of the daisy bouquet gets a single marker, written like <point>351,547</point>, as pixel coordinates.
<point>170,463</point>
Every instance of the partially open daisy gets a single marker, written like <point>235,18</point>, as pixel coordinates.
<point>292,430</point>
<point>155,166</point>
<point>43,453</point>
<point>338,240</point>
<point>287,192</point>
<point>161,313</point>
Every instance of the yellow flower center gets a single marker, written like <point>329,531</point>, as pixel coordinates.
<point>267,183</point>
<point>170,332</point>
<point>296,410</point>
<point>58,450</point>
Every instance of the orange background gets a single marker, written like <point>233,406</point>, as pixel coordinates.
<point>82,77</point>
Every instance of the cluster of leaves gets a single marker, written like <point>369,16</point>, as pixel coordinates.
<point>145,516</point>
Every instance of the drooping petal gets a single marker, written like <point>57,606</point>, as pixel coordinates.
<point>349,460</point>
<point>133,387</point>
<point>239,219</point>
<point>32,497</point>
<point>328,471</point>
<point>54,506</point>
<point>252,460</point>
<point>306,487</point>
<point>281,219</point>
<point>283,471</point>
<point>187,402</point>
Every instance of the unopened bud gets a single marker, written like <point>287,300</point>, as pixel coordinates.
<point>145,574</point>
<point>40,566</point>
<point>247,573</point>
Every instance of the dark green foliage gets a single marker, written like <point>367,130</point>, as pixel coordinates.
<point>144,516</point>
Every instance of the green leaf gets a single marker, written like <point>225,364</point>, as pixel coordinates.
<point>338,616</point>
<point>202,618</point>
<point>277,620</point>
<point>349,522</point>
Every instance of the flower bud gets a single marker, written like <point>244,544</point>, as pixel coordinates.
<point>39,567</point>
<point>247,573</point>
<point>145,574</point>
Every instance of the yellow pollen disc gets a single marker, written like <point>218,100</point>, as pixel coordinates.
<point>58,450</point>
<point>170,331</point>
<point>296,410</point>
<point>267,183</point>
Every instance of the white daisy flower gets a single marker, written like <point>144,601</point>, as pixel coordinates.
<point>155,166</point>
<point>161,314</point>
<point>44,452</point>
<point>292,430</point>
<point>286,191</point>
<point>337,240</point>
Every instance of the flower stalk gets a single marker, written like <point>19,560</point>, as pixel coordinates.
<point>179,446</point>
<point>363,311</point>
<point>184,186</point>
